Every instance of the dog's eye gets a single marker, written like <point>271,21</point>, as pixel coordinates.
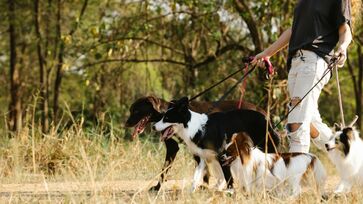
<point>166,117</point>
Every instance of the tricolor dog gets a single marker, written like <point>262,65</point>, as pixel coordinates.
<point>254,170</point>
<point>345,150</point>
<point>206,135</point>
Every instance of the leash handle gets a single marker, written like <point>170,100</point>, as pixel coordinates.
<point>248,60</point>
<point>269,67</point>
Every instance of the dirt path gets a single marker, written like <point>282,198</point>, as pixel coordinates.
<point>71,188</point>
<point>83,188</point>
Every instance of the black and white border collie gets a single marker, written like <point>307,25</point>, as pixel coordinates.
<point>345,150</point>
<point>254,170</point>
<point>206,135</point>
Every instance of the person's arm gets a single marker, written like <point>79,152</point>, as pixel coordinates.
<point>345,37</point>
<point>280,43</point>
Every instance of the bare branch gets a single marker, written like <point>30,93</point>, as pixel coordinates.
<point>140,39</point>
<point>132,61</point>
<point>83,9</point>
<point>218,53</point>
<point>247,16</point>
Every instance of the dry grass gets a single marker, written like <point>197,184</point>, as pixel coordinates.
<point>74,165</point>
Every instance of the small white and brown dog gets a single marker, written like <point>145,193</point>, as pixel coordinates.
<point>345,150</point>
<point>254,170</point>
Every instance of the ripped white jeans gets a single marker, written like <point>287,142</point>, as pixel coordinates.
<point>307,68</point>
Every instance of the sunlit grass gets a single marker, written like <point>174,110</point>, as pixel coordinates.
<point>73,164</point>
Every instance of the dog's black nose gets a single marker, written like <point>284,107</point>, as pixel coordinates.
<point>153,127</point>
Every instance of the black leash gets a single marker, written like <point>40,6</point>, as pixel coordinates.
<point>328,70</point>
<point>231,89</point>
<point>247,61</point>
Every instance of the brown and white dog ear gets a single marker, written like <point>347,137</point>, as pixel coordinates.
<point>245,145</point>
<point>248,144</point>
<point>231,145</point>
<point>155,102</point>
<point>234,137</point>
<point>338,127</point>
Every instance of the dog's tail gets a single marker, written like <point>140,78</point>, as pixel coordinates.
<point>319,173</point>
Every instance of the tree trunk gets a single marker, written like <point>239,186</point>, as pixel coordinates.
<point>15,118</point>
<point>42,72</point>
<point>59,73</point>
<point>247,16</point>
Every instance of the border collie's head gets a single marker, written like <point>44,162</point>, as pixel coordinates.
<point>149,106</point>
<point>343,140</point>
<point>177,116</point>
<point>142,111</point>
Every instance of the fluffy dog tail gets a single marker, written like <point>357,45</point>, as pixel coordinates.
<point>319,174</point>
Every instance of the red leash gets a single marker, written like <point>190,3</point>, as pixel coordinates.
<point>269,70</point>
<point>243,89</point>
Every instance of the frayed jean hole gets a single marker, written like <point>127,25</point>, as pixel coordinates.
<point>294,101</point>
<point>296,128</point>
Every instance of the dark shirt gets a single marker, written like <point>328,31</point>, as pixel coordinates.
<point>316,26</point>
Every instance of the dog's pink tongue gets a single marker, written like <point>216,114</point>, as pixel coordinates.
<point>167,133</point>
<point>140,126</point>
<point>138,129</point>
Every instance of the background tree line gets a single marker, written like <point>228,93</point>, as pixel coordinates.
<point>93,58</point>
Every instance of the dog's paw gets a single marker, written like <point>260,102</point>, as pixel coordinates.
<point>324,197</point>
<point>229,192</point>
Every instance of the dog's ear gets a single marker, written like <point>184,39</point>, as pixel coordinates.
<point>248,143</point>
<point>337,127</point>
<point>234,137</point>
<point>183,103</point>
<point>155,102</point>
<point>243,144</point>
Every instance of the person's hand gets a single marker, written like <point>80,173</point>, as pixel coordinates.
<point>258,60</point>
<point>341,55</point>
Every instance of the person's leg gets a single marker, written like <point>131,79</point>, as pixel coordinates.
<point>304,74</point>
<point>320,132</point>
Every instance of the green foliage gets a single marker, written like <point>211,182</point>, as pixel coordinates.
<point>117,51</point>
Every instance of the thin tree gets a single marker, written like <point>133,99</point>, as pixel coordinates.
<point>42,71</point>
<point>60,71</point>
<point>15,116</point>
